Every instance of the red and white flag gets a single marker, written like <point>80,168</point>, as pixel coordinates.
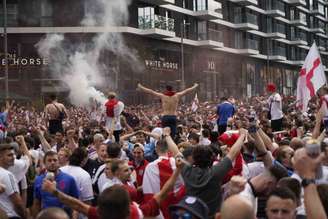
<point>311,78</point>
<point>195,104</point>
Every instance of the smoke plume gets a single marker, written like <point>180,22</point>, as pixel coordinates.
<point>78,64</point>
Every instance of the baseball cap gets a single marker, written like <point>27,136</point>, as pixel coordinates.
<point>193,205</point>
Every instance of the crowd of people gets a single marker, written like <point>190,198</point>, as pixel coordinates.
<point>259,157</point>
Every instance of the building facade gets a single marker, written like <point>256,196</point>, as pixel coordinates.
<point>230,47</point>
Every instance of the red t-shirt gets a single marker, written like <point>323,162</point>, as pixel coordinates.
<point>148,209</point>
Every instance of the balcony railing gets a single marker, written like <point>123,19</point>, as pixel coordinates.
<point>278,51</point>
<point>249,18</point>
<point>252,44</point>
<point>156,21</point>
<point>279,28</point>
<point>214,35</point>
<point>276,6</point>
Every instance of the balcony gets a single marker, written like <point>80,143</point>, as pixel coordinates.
<point>298,41</point>
<point>324,2</point>
<point>277,9</point>
<point>156,26</point>
<point>314,10</point>
<point>278,54</point>
<point>250,47</point>
<point>248,22</point>
<point>317,30</point>
<point>159,2</point>
<point>245,2</point>
<point>277,32</point>
<point>208,15</point>
<point>321,48</point>
<point>212,39</point>
<point>298,22</point>
<point>297,2</point>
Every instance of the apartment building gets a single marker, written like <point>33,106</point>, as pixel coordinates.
<point>229,47</point>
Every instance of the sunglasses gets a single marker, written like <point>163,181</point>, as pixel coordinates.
<point>181,215</point>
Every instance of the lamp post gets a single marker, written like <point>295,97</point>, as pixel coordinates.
<point>182,33</point>
<point>268,58</point>
<point>5,45</point>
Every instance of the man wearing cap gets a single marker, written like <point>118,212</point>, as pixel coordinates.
<point>275,108</point>
<point>189,207</point>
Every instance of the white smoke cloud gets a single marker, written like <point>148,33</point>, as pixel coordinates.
<point>79,66</point>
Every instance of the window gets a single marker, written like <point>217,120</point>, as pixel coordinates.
<point>146,17</point>
<point>302,16</point>
<point>12,15</point>
<point>202,30</point>
<point>200,5</point>
<point>46,13</point>
<point>238,40</point>
<point>321,9</point>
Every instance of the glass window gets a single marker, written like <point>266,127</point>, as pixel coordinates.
<point>321,9</point>
<point>202,30</point>
<point>200,5</point>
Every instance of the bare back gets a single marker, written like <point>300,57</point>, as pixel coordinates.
<point>170,104</point>
<point>52,111</point>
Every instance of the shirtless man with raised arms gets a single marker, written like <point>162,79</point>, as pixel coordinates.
<point>170,100</point>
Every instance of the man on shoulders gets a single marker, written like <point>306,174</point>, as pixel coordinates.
<point>275,108</point>
<point>55,113</point>
<point>225,110</point>
<point>170,100</point>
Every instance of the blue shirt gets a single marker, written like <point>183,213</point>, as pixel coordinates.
<point>149,148</point>
<point>225,110</point>
<point>3,118</point>
<point>65,183</point>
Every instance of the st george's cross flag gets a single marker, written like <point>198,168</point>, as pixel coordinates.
<point>195,103</point>
<point>311,78</point>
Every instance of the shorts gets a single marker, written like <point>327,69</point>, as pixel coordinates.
<point>170,121</point>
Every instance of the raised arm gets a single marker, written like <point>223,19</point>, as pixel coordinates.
<point>44,143</point>
<point>168,186</point>
<point>156,136</point>
<point>267,141</point>
<point>67,200</point>
<point>236,147</point>
<point>313,205</point>
<point>184,92</point>
<point>149,91</point>
<point>170,143</point>
<point>316,131</point>
<point>22,144</point>
<point>262,150</point>
<point>127,136</point>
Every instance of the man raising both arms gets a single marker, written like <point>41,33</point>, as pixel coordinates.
<point>170,100</point>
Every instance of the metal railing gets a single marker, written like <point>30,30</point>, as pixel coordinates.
<point>215,35</point>
<point>278,51</point>
<point>252,44</point>
<point>156,21</point>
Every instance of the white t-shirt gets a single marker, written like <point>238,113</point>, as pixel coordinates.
<point>82,179</point>
<point>20,167</point>
<point>101,177</point>
<point>249,195</point>
<point>11,187</point>
<point>204,141</point>
<point>276,106</point>
<point>324,180</point>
